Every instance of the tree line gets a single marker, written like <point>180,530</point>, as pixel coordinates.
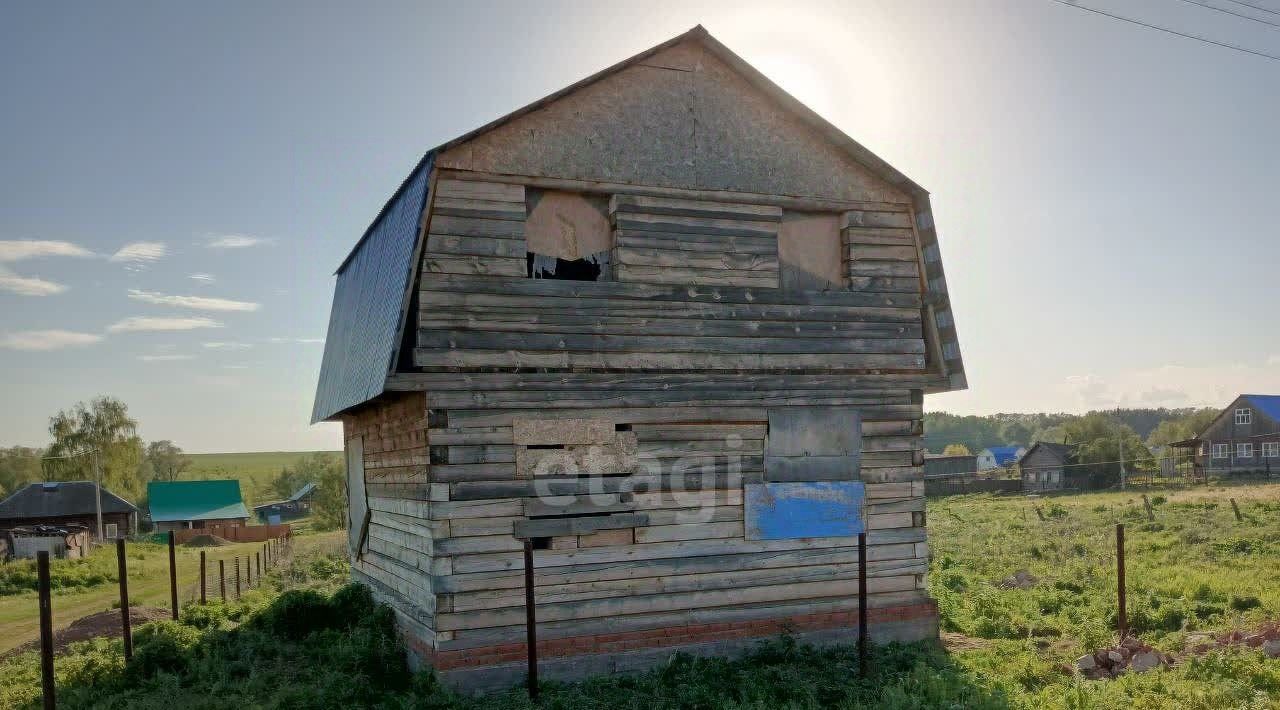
<point>1104,437</point>
<point>100,438</point>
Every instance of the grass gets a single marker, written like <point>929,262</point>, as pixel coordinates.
<point>255,470</point>
<point>148,583</point>
<point>1194,569</point>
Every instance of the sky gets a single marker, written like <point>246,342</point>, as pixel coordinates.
<point>178,182</point>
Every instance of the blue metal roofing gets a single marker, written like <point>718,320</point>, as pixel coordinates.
<point>302,492</point>
<point>1004,455</point>
<point>1268,404</point>
<point>368,299</point>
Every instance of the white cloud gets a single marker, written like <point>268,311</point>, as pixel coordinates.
<point>139,254</point>
<point>235,367</point>
<point>1273,360</point>
<point>28,285</point>
<point>227,346</point>
<point>202,278</point>
<point>300,341</point>
<point>47,339</point>
<point>234,241</point>
<point>139,324</point>
<point>1090,390</point>
<point>165,358</point>
<point>199,303</point>
<point>17,250</point>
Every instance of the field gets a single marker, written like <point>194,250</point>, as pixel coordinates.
<point>148,585</point>
<point>1025,587</point>
<point>254,470</point>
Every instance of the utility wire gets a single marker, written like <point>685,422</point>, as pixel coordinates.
<point>1140,23</point>
<point>1256,7</point>
<point>1232,12</point>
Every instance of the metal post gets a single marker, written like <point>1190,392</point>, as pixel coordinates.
<point>46,629</point>
<point>863,631</point>
<point>1122,621</point>
<point>124,599</point>
<point>237,561</point>
<point>222,579</point>
<point>202,579</point>
<point>173,578</point>
<point>531,622</point>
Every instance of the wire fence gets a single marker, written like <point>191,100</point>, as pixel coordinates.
<point>227,577</point>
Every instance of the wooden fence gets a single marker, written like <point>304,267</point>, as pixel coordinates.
<point>236,533</point>
<point>961,486</point>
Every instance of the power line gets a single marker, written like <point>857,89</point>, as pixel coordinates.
<point>1233,13</point>
<point>1256,7</point>
<point>1140,23</point>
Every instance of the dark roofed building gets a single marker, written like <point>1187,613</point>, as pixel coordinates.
<point>68,503</point>
<point>295,506</point>
<point>1047,467</point>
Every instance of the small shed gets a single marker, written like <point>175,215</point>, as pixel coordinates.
<point>999,457</point>
<point>672,328</point>
<point>183,505</point>
<point>1047,466</point>
<point>943,466</point>
<point>68,503</point>
<point>295,506</point>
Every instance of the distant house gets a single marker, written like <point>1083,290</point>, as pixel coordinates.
<point>943,466</point>
<point>181,505</point>
<point>999,457</point>
<point>1047,466</point>
<point>295,506</point>
<point>68,504</point>
<point>1244,437</point>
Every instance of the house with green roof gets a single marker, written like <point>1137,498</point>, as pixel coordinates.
<point>184,505</point>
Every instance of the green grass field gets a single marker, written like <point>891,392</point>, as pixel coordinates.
<point>1193,571</point>
<point>254,470</point>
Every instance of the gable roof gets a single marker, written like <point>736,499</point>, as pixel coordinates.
<point>61,498</point>
<point>374,282</point>
<point>195,500</point>
<point>1004,455</point>
<point>1268,404</point>
<point>1062,451</point>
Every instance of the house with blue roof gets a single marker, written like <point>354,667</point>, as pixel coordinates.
<point>999,457</point>
<point>1245,436</point>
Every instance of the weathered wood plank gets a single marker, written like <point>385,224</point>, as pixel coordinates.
<point>481,209</point>
<point>696,243</point>
<point>471,227</point>
<point>693,225</point>
<point>694,208</point>
<point>534,432</point>
<point>475,265</point>
<point>476,190</point>
<point>475,246</point>
<point>482,340</point>
<point>696,277</point>
<point>727,261</point>
<point>436,320</point>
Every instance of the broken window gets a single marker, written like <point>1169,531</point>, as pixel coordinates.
<point>568,236</point>
<point>594,267</point>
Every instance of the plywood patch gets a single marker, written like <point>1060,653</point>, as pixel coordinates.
<point>810,251</point>
<point>567,225</point>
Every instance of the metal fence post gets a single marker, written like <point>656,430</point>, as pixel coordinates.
<point>46,629</point>
<point>531,622</point>
<point>126,632</point>
<point>173,577</point>
<point>1122,621</point>
<point>863,632</point>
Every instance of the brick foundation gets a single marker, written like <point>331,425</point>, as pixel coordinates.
<point>574,657</point>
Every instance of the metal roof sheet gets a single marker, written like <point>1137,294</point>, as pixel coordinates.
<point>368,301</point>
<point>1268,404</point>
<point>195,500</point>
<point>59,498</point>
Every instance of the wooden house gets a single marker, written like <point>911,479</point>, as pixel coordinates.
<point>196,505</point>
<point>1245,436</point>
<point>1047,466</point>
<point>68,504</point>
<point>999,457</point>
<point>674,327</point>
<point>295,506</point>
